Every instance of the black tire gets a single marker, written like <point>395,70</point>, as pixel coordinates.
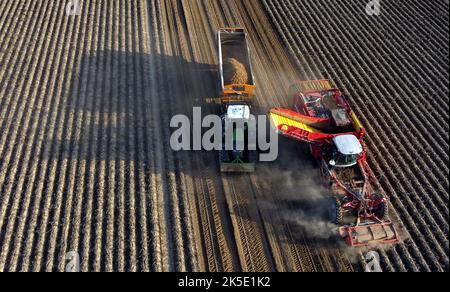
<point>336,211</point>
<point>223,156</point>
<point>253,157</point>
<point>382,212</point>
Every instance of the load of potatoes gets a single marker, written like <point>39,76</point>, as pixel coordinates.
<point>235,72</point>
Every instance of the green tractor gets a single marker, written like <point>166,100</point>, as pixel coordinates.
<point>241,158</point>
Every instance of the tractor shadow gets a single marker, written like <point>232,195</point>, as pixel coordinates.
<point>115,115</point>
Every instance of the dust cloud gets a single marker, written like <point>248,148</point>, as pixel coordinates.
<point>302,200</point>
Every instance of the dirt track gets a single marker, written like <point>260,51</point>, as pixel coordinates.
<point>262,239</point>
<point>85,163</point>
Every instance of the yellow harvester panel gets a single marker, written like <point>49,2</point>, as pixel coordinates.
<point>280,120</point>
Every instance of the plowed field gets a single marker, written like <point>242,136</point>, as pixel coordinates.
<point>85,158</point>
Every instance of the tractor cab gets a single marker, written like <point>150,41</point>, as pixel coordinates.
<point>238,112</point>
<point>346,152</point>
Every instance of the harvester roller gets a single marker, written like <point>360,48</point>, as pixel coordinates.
<point>370,234</point>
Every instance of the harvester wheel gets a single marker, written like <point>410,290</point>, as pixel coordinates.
<point>336,212</point>
<point>382,211</point>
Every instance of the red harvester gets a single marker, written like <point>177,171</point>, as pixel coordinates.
<point>323,118</point>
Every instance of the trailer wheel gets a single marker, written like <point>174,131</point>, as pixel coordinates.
<point>336,211</point>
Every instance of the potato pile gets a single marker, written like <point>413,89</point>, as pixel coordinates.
<point>235,72</point>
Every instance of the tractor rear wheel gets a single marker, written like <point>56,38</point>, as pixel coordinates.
<point>252,156</point>
<point>223,156</point>
<point>336,211</point>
